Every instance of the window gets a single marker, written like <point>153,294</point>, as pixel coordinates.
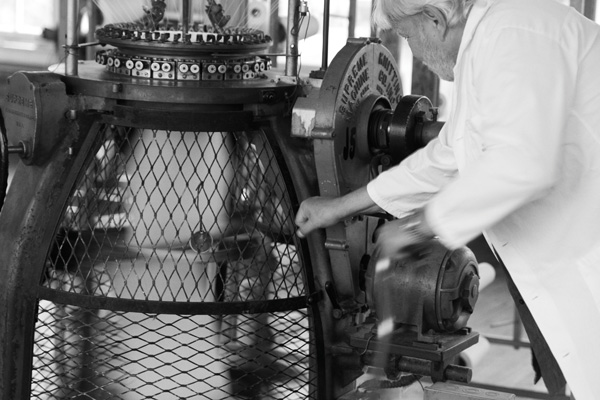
<point>21,27</point>
<point>26,17</point>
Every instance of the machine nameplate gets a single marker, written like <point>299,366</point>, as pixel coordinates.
<point>20,113</point>
<point>12,98</point>
<point>29,123</point>
<point>388,79</point>
<point>355,86</point>
<point>21,107</point>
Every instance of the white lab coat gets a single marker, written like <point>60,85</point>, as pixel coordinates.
<point>519,159</point>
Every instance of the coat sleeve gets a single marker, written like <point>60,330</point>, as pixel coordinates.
<point>521,92</point>
<point>411,184</point>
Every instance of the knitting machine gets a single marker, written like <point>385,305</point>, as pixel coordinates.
<point>147,236</point>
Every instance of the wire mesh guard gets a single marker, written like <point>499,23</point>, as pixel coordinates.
<point>174,217</point>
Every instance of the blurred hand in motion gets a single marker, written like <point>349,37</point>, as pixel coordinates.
<point>402,237</point>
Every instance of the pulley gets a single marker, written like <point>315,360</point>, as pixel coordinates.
<point>396,132</point>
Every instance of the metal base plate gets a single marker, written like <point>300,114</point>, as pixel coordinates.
<point>442,348</point>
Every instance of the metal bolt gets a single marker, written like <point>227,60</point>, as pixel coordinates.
<point>434,113</point>
<point>303,8</point>
<point>20,149</point>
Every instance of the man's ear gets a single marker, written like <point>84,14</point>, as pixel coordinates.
<point>437,18</point>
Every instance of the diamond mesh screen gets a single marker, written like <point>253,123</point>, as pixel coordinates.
<point>158,220</point>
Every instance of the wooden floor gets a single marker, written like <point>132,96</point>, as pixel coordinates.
<point>501,364</point>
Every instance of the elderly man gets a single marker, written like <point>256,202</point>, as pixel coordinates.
<point>518,159</point>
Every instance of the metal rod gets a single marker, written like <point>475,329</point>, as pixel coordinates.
<point>325,59</point>
<point>17,149</point>
<point>425,367</point>
<point>93,22</point>
<point>274,29</point>
<point>71,38</point>
<point>88,44</point>
<point>352,19</point>
<point>293,20</point>
<point>186,12</point>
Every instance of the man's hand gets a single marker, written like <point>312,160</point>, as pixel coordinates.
<point>322,212</point>
<point>400,238</point>
<point>317,212</point>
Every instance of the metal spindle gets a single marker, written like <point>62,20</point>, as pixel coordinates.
<point>71,39</point>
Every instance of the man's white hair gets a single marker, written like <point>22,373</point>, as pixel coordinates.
<point>387,12</point>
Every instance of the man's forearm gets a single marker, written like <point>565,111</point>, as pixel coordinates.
<point>322,212</point>
<point>357,202</point>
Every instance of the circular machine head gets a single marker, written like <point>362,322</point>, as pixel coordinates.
<point>182,51</point>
